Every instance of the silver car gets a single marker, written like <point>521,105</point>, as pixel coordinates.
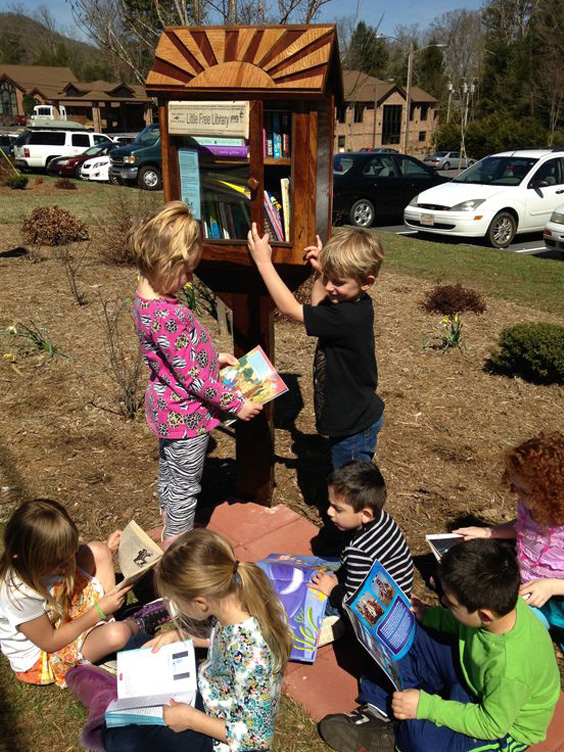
<point>448,160</point>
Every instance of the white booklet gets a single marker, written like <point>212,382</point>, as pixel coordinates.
<point>146,681</point>
<point>137,554</point>
<point>440,543</point>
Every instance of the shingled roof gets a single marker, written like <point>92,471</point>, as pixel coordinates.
<point>360,87</point>
<point>48,79</point>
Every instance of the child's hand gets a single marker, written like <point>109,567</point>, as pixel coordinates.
<point>226,359</point>
<point>113,541</point>
<point>259,247</point>
<point>311,254</point>
<point>324,582</point>
<point>539,591</point>
<point>178,716</point>
<point>249,410</point>
<point>418,608</point>
<point>162,639</point>
<point>404,704</point>
<point>113,600</point>
<point>470,533</point>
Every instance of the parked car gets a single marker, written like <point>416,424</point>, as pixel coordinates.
<point>71,166</point>
<point>7,141</point>
<point>501,195</point>
<point>554,230</point>
<point>384,149</point>
<point>122,139</point>
<point>448,160</point>
<point>140,161</point>
<point>367,185</point>
<point>36,148</point>
<point>97,168</point>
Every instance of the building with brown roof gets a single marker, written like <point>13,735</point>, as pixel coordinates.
<point>107,106</point>
<point>374,115</point>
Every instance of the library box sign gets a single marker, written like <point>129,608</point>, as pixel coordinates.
<point>208,119</point>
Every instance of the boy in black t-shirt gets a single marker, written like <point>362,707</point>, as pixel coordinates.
<point>347,408</point>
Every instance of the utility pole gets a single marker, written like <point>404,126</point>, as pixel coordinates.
<point>408,98</point>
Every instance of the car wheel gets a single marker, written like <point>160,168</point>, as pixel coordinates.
<point>446,166</point>
<point>115,180</point>
<point>149,179</point>
<point>361,213</point>
<point>502,230</point>
<point>77,171</point>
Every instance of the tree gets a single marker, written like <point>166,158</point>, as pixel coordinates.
<point>29,103</point>
<point>366,52</point>
<point>429,69</point>
<point>548,40</point>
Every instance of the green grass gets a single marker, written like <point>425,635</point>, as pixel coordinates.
<point>525,280</point>
<point>88,201</point>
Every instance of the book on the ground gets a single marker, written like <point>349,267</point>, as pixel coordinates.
<point>255,376</point>
<point>440,543</point>
<point>147,681</point>
<point>137,554</point>
<point>305,607</point>
<point>382,620</point>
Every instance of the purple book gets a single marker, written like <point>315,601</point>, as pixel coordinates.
<point>225,151</point>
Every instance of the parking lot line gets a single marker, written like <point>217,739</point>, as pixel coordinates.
<point>406,232</point>
<point>530,250</point>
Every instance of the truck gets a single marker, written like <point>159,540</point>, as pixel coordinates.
<point>139,162</point>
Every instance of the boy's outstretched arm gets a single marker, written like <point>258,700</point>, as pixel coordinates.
<point>311,254</point>
<point>262,256</point>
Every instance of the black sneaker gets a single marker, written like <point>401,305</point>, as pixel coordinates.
<point>151,616</point>
<point>366,729</point>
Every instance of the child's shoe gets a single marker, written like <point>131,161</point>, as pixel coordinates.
<point>150,616</point>
<point>366,729</point>
<point>95,689</point>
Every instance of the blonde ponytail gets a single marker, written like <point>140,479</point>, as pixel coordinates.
<point>202,563</point>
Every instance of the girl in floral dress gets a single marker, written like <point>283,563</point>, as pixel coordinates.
<point>239,683</point>
<point>55,595</point>
<point>185,395</point>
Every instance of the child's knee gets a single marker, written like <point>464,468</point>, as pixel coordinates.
<point>116,635</point>
<point>101,554</point>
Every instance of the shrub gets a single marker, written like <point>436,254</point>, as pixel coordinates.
<point>533,351</point>
<point>121,216</point>
<point>452,299</point>
<point>49,225</point>
<point>16,182</point>
<point>65,184</point>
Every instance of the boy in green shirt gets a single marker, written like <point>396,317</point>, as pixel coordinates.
<point>484,676</point>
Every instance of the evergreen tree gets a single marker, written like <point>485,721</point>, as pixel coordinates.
<point>366,52</point>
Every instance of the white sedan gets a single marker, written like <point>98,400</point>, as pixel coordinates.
<point>554,231</point>
<point>97,168</point>
<point>500,196</point>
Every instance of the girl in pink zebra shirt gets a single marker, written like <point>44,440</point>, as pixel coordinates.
<point>185,395</point>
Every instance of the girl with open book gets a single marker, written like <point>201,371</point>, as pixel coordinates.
<point>239,683</point>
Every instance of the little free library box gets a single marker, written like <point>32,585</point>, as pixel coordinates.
<point>246,116</point>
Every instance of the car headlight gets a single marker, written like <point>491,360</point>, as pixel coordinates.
<point>414,201</point>
<point>557,217</point>
<point>130,160</point>
<point>470,205</point>
<point>63,162</point>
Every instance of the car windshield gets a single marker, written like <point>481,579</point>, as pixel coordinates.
<point>147,136</point>
<point>342,163</point>
<point>22,138</point>
<point>497,171</point>
<point>93,150</point>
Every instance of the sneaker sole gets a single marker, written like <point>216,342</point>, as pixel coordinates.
<point>337,734</point>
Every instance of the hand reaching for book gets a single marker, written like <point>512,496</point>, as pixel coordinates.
<point>113,600</point>
<point>311,254</point>
<point>226,359</point>
<point>258,246</point>
<point>249,410</point>
<point>324,582</point>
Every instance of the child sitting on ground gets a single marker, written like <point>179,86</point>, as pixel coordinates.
<point>535,473</point>
<point>347,408</point>
<point>357,494</point>
<point>55,595</point>
<point>486,679</point>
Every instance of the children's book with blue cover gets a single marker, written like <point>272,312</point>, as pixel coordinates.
<point>382,620</point>
<point>305,607</point>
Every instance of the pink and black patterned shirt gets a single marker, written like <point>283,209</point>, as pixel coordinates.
<point>185,394</point>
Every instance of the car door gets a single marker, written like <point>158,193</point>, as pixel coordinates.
<point>544,192</point>
<point>79,143</point>
<point>383,184</point>
<point>415,177</point>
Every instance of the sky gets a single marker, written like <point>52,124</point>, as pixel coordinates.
<point>398,12</point>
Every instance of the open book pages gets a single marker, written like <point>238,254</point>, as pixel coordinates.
<point>440,543</point>
<point>137,553</point>
<point>147,681</point>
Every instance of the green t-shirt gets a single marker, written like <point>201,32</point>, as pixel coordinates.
<point>513,675</point>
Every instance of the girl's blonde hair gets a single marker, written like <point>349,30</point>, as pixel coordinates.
<point>39,536</point>
<point>202,563</point>
<point>164,244</point>
<point>352,253</point>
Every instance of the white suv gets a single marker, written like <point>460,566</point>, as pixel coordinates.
<point>501,195</point>
<point>38,147</point>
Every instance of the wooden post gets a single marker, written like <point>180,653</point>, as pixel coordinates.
<point>252,325</point>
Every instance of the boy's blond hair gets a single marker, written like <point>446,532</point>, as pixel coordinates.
<point>164,244</point>
<point>352,253</point>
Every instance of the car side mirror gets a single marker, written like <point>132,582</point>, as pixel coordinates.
<point>538,184</point>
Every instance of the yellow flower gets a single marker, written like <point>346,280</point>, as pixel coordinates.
<point>10,357</point>
<point>12,330</point>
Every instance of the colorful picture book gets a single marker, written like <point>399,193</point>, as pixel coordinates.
<point>276,135</point>
<point>226,204</point>
<point>255,376</point>
<point>291,577</point>
<point>146,681</point>
<point>382,620</point>
<point>440,543</point>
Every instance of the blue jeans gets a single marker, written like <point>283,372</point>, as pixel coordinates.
<point>432,664</point>
<point>359,446</point>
